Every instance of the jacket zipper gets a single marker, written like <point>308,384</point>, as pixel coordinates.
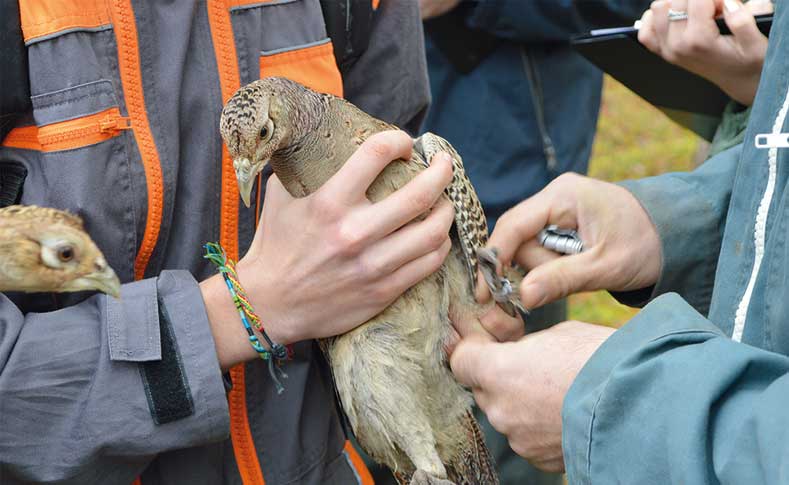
<point>111,124</point>
<point>70,134</point>
<point>535,86</point>
<point>760,226</point>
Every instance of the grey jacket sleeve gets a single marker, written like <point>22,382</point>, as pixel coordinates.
<point>689,211</point>
<point>90,393</point>
<point>670,399</point>
<point>389,80</point>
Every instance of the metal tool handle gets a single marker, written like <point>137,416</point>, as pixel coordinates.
<point>564,241</point>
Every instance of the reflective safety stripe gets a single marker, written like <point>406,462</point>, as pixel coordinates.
<point>229,80</point>
<point>42,18</point>
<point>313,66</point>
<point>365,478</point>
<point>71,134</point>
<point>131,79</point>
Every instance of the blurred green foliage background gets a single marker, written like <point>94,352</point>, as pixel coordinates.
<point>634,140</point>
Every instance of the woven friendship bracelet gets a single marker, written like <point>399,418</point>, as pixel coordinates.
<point>227,268</point>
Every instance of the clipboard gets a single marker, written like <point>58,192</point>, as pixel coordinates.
<point>688,99</point>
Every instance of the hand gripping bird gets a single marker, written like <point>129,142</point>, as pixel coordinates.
<point>47,250</point>
<point>391,374</point>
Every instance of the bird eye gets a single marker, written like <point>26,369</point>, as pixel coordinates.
<point>65,253</point>
<point>264,132</point>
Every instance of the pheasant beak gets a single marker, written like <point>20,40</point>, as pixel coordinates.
<point>245,177</point>
<point>104,280</point>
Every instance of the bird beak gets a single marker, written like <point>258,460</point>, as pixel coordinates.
<point>246,177</point>
<point>245,189</point>
<point>105,281</point>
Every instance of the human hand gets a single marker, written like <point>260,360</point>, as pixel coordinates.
<point>434,8</point>
<point>521,385</point>
<point>328,262</point>
<point>733,62</point>
<point>621,245</point>
<point>323,264</point>
<point>494,324</point>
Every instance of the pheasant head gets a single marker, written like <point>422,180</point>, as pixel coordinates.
<point>263,121</point>
<point>47,250</point>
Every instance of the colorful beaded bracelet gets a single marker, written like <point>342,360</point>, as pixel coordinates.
<point>227,268</point>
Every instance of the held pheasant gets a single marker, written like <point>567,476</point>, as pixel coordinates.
<point>48,250</point>
<point>391,373</point>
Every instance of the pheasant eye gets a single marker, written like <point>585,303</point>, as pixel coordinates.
<point>65,253</point>
<point>263,132</point>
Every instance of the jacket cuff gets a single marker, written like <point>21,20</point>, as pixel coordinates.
<point>689,246</point>
<point>583,436</point>
<point>161,324</point>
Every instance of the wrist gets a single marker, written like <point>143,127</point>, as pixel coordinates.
<point>263,293</point>
<point>230,338</point>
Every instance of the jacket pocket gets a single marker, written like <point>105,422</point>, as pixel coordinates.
<point>77,158</point>
<point>312,65</point>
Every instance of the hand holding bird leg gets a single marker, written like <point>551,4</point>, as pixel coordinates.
<point>622,249</point>
<point>521,385</point>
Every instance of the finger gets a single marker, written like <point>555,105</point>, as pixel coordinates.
<point>351,182</point>
<point>413,241</point>
<point>525,221</point>
<point>701,17</point>
<point>646,33</point>
<point>660,21</point>
<point>502,326</point>
<point>676,29</point>
<point>742,24</point>
<point>415,271</point>
<point>451,341</point>
<point>562,277</point>
<point>760,7</point>
<point>481,292</point>
<point>469,359</point>
<point>410,201</point>
<point>532,254</point>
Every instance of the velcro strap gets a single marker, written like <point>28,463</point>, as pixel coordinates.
<point>169,396</point>
<point>12,178</point>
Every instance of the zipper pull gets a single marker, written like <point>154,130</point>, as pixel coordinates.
<point>114,123</point>
<point>772,140</point>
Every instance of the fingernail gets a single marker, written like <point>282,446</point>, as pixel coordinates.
<point>533,295</point>
<point>731,5</point>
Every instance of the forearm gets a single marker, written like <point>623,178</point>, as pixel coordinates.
<point>230,337</point>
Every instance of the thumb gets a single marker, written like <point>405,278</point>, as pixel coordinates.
<point>469,357</point>
<point>742,24</point>
<point>559,278</point>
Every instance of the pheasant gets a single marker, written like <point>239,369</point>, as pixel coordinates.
<point>44,249</point>
<point>405,408</point>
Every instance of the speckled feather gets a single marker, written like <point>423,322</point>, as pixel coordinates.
<point>402,401</point>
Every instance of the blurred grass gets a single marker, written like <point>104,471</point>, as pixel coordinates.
<point>634,140</point>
